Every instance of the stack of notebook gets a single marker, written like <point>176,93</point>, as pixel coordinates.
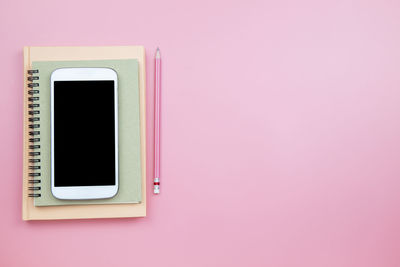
<point>130,201</point>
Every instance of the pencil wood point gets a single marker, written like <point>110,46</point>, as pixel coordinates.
<point>158,55</point>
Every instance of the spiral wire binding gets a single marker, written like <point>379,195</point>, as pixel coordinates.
<point>34,134</point>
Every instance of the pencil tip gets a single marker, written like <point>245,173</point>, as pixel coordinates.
<point>158,55</point>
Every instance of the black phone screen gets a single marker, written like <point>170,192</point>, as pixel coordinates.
<point>84,133</point>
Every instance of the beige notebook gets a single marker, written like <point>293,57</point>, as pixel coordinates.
<point>37,54</point>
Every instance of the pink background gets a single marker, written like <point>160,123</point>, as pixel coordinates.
<point>280,135</point>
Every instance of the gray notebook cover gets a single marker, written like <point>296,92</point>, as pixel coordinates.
<point>129,130</point>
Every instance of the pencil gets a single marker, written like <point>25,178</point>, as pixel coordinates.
<point>157,113</point>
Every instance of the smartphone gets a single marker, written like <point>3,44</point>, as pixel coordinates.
<point>84,133</point>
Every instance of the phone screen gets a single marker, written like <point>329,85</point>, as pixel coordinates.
<point>84,133</point>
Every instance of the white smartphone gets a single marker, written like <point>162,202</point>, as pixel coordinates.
<point>84,133</point>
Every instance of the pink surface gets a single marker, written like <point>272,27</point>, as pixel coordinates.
<point>280,145</point>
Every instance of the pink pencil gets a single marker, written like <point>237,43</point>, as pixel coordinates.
<point>157,113</point>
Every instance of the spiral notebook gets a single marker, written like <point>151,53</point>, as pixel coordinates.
<point>129,190</point>
<point>39,62</point>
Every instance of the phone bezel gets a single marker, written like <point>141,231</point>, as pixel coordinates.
<point>82,74</point>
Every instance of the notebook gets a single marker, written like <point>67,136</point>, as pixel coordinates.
<point>131,198</point>
<point>129,190</point>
